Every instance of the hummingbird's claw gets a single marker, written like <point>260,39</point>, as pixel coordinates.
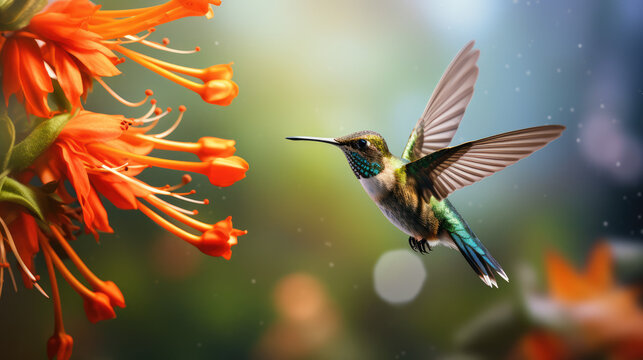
<point>413,243</point>
<point>420,246</point>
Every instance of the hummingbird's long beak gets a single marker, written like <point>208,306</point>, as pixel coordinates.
<point>310,138</point>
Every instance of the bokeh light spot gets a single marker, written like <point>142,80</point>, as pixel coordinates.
<point>399,276</point>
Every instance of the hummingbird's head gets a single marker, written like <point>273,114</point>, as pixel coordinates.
<point>365,151</point>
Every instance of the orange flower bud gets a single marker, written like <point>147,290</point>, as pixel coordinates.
<point>98,307</point>
<point>226,171</point>
<point>112,291</point>
<point>212,147</point>
<point>219,92</point>
<point>217,72</point>
<point>59,346</point>
<point>218,240</point>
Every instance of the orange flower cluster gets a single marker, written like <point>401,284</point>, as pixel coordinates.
<point>54,59</point>
<point>596,316</point>
<point>77,44</point>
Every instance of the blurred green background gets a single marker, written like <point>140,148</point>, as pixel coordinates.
<point>328,68</point>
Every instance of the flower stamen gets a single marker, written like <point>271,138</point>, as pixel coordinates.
<point>120,99</point>
<point>164,203</point>
<point>158,46</point>
<point>174,126</point>
<point>154,190</point>
<point>158,115</point>
<point>148,114</point>
<point>7,237</point>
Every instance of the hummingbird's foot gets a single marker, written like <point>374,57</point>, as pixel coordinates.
<point>420,246</point>
<point>413,243</point>
<point>423,245</point>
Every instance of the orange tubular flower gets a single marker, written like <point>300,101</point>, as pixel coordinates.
<point>79,155</point>
<point>77,44</point>
<point>101,153</point>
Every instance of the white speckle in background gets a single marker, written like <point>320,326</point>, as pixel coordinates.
<point>528,72</point>
<point>580,46</point>
<point>398,276</point>
<point>605,223</point>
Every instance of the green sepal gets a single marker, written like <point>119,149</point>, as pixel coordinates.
<point>28,150</point>
<point>16,14</point>
<point>18,193</point>
<point>7,138</point>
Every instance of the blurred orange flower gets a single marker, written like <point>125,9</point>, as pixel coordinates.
<point>596,314</point>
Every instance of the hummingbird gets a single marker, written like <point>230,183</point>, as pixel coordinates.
<point>412,191</point>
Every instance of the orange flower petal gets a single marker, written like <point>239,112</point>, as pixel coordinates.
<point>117,191</point>
<point>92,127</point>
<point>68,74</point>
<point>564,283</point>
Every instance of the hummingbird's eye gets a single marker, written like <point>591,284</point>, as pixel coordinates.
<point>362,144</point>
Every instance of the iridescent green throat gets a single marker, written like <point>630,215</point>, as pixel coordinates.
<point>361,167</point>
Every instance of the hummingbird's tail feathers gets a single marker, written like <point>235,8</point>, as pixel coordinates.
<point>472,248</point>
<point>479,258</point>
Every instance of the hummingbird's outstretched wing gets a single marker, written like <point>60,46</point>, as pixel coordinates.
<point>442,172</point>
<point>441,117</point>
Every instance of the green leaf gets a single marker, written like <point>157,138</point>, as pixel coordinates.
<point>28,150</point>
<point>16,14</point>
<point>17,193</point>
<point>7,138</point>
